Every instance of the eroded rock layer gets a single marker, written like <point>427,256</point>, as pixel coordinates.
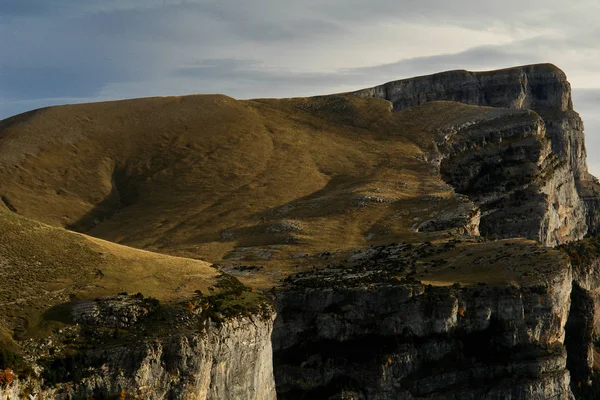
<point>544,89</point>
<point>229,360</point>
<point>350,331</point>
<point>503,162</point>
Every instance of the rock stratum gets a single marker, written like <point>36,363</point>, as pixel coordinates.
<point>342,331</point>
<point>543,89</point>
<point>429,238</point>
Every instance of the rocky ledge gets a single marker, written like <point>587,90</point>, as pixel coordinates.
<point>129,347</point>
<point>541,88</point>
<point>502,161</point>
<point>386,332</point>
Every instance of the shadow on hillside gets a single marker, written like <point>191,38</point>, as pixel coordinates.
<point>123,194</point>
<point>333,199</point>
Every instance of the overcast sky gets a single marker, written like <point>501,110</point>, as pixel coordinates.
<point>67,51</point>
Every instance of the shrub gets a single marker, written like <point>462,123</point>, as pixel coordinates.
<point>11,360</point>
<point>7,377</point>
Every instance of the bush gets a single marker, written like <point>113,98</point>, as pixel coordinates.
<point>582,252</point>
<point>12,360</point>
<point>7,377</point>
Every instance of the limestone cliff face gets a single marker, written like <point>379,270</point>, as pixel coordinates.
<point>232,360</point>
<point>544,89</point>
<point>502,160</point>
<point>407,340</point>
<point>531,87</point>
<point>584,320</point>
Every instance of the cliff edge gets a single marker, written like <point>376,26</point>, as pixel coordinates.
<point>542,88</point>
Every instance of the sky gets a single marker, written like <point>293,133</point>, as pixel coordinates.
<point>71,51</point>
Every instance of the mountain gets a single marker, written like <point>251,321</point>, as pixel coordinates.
<point>404,234</point>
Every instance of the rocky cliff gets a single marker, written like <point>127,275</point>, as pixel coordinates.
<point>399,322</point>
<point>362,333</point>
<point>535,87</point>
<point>232,361</point>
<point>129,347</point>
<point>496,320</point>
<point>542,88</point>
<point>502,160</point>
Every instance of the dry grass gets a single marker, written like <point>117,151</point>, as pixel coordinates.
<point>519,262</point>
<point>206,177</point>
<point>42,266</point>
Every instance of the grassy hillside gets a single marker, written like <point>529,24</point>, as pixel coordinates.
<point>41,266</point>
<point>259,182</point>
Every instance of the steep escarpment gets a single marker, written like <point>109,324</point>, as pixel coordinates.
<point>542,88</point>
<point>212,347</point>
<point>517,329</point>
<point>367,332</point>
<point>583,328</point>
<point>502,160</point>
<point>231,360</point>
<point>65,334</point>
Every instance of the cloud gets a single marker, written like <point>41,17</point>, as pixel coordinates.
<point>91,49</point>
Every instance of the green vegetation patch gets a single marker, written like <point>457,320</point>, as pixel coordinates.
<point>583,252</point>
<point>10,355</point>
<point>230,298</point>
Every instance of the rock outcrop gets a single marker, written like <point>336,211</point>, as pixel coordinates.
<point>232,360</point>
<point>503,162</point>
<point>535,87</point>
<point>346,331</point>
<point>583,327</point>
<point>545,90</point>
<point>361,333</point>
<point>131,347</point>
<point>377,329</point>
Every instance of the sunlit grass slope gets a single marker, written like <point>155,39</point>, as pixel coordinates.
<point>258,182</point>
<point>41,266</point>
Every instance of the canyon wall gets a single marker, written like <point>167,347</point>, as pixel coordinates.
<point>367,332</point>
